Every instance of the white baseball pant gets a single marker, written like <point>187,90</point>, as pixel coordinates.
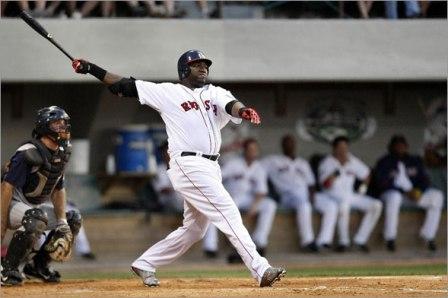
<point>198,181</point>
<point>431,200</point>
<point>265,217</point>
<point>328,208</point>
<point>302,205</point>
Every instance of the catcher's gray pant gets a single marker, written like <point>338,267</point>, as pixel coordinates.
<point>198,181</point>
<point>265,216</point>
<point>431,200</point>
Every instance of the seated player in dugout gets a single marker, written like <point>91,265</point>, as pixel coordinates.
<point>402,178</point>
<point>35,175</point>
<point>194,113</point>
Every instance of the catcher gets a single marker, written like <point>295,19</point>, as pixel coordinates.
<point>33,176</point>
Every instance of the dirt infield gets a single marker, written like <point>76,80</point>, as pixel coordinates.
<point>404,286</point>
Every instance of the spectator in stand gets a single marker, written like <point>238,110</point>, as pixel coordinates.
<point>402,177</point>
<point>364,8</point>
<point>107,9</point>
<point>412,9</point>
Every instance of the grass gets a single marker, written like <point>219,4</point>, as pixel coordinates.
<point>371,270</point>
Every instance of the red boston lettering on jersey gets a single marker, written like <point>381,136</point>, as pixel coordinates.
<point>194,105</point>
<point>186,106</point>
<point>215,110</point>
<point>207,104</point>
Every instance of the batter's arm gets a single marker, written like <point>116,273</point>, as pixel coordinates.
<point>7,190</point>
<point>239,110</point>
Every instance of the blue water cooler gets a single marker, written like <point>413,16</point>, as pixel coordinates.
<point>134,149</point>
<point>157,133</point>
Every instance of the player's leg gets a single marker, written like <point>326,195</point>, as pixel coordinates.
<point>392,200</point>
<point>199,182</point>
<point>82,245</point>
<point>176,243</point>
<point>431,200</point>
<point>303,218</point>
<point>328,207</point>
<point>32,223</point>
<point>266,214</point>
<point>343,224</point>
<point>210,242</point>
<point>372,210</point>
<point>39,267</point>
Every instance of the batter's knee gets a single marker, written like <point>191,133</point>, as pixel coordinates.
<point>74,220</point>
<point>35,221</point>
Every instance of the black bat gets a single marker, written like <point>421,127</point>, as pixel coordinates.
<point>39,29</point>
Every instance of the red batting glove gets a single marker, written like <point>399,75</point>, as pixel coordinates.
<point>250,114</point>
<point>81,66</point>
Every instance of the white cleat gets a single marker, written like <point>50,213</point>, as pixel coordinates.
<point>148,277</point>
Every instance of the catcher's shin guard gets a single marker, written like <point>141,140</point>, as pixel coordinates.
<point>74,220</point>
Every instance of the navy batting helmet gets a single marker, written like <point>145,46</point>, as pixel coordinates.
<point>188,57</point>
<point>45,117</point>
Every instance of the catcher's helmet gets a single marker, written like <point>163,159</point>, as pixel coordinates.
<point>45,117</point>
<point>188,57</point>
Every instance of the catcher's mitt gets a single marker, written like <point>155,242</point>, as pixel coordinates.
<point>59,247</point>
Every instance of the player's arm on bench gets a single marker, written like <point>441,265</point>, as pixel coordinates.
<point>118,85</point>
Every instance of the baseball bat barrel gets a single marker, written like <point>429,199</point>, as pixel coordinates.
<point>41,30</point>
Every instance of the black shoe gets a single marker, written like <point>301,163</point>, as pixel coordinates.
<point>310,248</point>
<point>341,248</point>
<point>11,278</point>
<point>261,251</point>
<point>432,245</point>
<point>88,256</point>
<point>234,258</point>
<point>326,247</point>
<point>362,248</point>
<point>390,245</point>
<point>46,274</point>
<point>211,254</point>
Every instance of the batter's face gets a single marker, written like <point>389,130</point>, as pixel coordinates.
<point>198,73</point>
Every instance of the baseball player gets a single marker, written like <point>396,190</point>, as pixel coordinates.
<point>246,181</point>
<point>337,175</point>
<point>194,113</point>
<point>34,175</point>
<point>402,177</point>
<point>292,177</point>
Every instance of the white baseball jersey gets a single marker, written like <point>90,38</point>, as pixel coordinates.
<point>193,118</point>
<point>344,183</point>
<point>242,181</point>
<point>289,176</point>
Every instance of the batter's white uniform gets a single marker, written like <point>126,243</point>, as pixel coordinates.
<point>342,191</point>
<point>244,182</point>
<point>193,120</point>
<point>291,179</point>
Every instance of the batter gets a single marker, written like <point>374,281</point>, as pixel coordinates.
<point>194,112</point>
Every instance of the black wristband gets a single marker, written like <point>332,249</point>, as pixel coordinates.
<point>97,71</point>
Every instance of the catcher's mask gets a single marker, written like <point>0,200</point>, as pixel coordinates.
<point>53,122</point>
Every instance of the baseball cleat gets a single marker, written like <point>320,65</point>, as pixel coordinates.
<point>271,275</point>
<point>148,277</point>
<point>11,278</point>
<point>46,274</point>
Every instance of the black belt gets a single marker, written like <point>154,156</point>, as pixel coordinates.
<point>211,157</point>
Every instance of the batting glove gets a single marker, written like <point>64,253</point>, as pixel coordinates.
<point>249,114</point>
<point>81,66</point>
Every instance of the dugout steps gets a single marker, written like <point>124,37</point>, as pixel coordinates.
<point>125,233</point>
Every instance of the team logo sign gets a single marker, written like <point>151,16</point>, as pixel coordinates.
<point>328,118</point>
